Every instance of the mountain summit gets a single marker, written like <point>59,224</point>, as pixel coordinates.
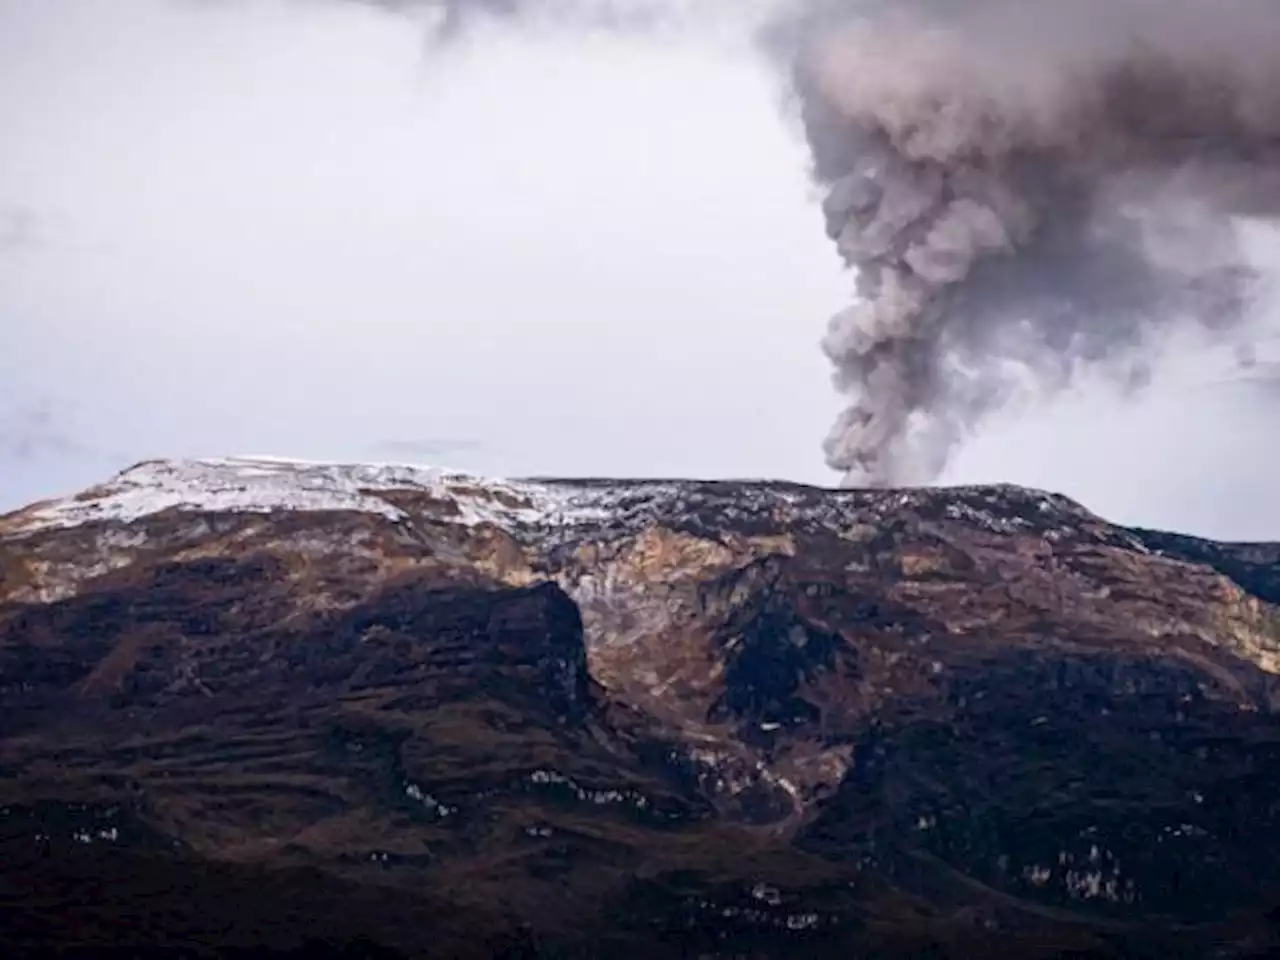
<point>256,704</point>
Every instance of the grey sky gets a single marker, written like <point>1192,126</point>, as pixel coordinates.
<point>273,226</point>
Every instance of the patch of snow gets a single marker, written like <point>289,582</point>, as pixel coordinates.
<point>1037,875</point>
<point>802,921</point>
<point>266,485</point>
<point>767,894</point>
<point>434,806</point>
<point>598,797</point>
<point>88,837</point>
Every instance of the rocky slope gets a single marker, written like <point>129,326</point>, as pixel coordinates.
<point>256,703</point>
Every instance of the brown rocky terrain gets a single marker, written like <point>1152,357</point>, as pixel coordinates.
<point>254,705</point>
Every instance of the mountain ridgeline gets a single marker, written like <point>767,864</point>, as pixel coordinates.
<point>264,708</point>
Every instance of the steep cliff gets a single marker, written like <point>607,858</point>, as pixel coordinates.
<point>252,703</point>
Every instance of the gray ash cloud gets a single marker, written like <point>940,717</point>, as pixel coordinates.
<point>1024,189</point>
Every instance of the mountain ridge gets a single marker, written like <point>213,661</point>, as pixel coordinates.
<point>741,718</point>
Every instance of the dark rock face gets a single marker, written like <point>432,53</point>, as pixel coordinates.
<point>710,720</point>
<point>772,653</point>
<point>1122,788</point>
<point>1254,566</point>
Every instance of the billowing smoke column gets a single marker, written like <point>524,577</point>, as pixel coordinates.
<point>1025,187</point>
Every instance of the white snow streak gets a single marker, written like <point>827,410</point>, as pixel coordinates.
<point>266,485</point>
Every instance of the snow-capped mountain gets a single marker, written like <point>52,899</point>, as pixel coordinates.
<point>729,717</point>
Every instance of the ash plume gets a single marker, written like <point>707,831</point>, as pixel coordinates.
<point>1025,188</point>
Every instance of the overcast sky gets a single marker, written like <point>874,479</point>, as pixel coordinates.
<point>291,227</point>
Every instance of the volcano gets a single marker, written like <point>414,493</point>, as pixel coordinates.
<point>260,707</point>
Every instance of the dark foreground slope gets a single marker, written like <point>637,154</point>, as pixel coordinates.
<point>258,709</point>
